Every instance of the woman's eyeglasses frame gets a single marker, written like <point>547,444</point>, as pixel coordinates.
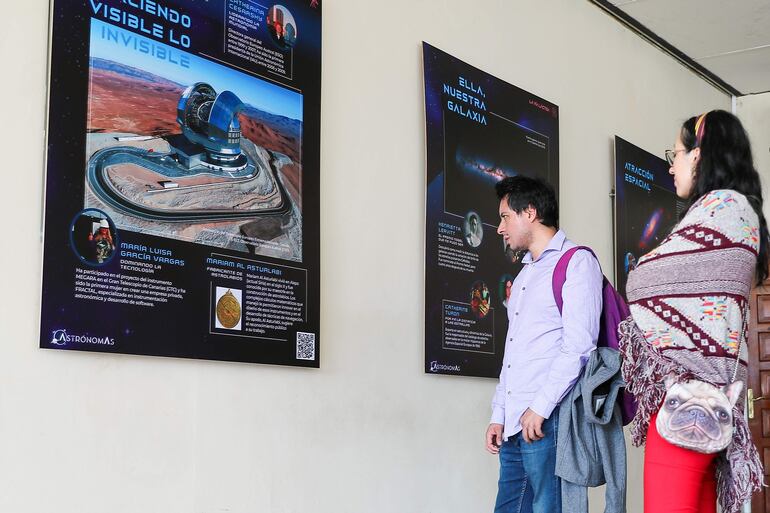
<point>671,155</point>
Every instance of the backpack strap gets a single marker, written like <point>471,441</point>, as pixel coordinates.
<point>560,274</point>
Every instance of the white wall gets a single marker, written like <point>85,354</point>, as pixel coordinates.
<point>368,432</point>
<point>754,111</point>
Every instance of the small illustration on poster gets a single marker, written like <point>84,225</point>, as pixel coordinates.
<point>282,27</point>
<point>473,233</point>
<point>480,299</point>
<point>93,237</point>
<point>504,289</point>
<point>228,309</point>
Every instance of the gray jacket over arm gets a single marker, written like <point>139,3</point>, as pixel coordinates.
<point>591,449</point>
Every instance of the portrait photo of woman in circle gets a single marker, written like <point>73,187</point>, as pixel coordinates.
<point>93,237</point>
<point>473,231</point>
<point>504,288</point>
<point>282,27</point>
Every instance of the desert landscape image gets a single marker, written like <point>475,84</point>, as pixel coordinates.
<point>135,112</point>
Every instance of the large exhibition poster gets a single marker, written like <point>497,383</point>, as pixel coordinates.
<point>479,130</point>
<point>181,203</point>
<point>646,206</point>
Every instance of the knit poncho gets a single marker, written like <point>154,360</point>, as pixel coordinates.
<point>689,302</point>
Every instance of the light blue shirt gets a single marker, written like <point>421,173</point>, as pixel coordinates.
<point>544,351</point>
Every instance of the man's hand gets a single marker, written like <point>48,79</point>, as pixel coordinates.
<point>531,426</point>
<point>494,438</point>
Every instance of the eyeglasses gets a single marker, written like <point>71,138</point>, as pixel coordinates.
<point>671,155</point>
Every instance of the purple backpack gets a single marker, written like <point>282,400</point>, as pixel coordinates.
<point>614,310</point>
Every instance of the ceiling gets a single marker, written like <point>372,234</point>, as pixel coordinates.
<point>730,39</point>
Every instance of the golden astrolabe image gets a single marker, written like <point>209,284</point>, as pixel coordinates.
<point>228,310</point>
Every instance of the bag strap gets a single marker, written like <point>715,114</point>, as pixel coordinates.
<point>560,274</point>
<point>738,356</point>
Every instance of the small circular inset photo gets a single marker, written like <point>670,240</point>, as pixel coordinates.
<point>282,27</point>
<point>630,262</point>
<point>473,232</point>
<point>93,237</point>
<point>504,288</point>
<point>480,299</point>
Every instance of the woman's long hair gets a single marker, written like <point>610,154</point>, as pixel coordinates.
<point>726,163</point>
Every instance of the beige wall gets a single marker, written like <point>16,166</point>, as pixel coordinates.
<point>754,111</point>
<point>368,432</point>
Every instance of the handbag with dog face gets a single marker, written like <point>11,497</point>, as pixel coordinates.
<point>698,416</point>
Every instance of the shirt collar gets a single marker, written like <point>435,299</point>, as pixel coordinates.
<point>556,244</point>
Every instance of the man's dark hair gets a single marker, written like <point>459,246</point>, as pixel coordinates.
<point>523,192</point>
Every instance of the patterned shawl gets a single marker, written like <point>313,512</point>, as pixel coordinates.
<point>689,301</point>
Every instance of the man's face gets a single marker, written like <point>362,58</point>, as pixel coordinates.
<point>515,228</point>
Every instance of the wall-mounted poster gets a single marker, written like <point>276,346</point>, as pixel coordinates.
<point>181,203</point>
<point>479,130</point>
<point>646,206</point>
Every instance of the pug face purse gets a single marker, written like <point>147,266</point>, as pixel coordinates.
<point>697,415</point>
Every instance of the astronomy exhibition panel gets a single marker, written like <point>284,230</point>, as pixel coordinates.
<point>479,130</point>
<point>181,204</point>
<point>646,206</point>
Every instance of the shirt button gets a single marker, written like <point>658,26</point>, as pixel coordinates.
<point>509,366</point>
<point>509,392</point>
<point>523,288</point>
<point>517,313</point>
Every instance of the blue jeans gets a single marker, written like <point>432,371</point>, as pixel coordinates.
<point>528,482</point>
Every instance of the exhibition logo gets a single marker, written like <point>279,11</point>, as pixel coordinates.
<point>436,367</point>
<point>62,338</point>
<point>59,337</point>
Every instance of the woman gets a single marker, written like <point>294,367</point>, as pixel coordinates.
<point>689,312</point>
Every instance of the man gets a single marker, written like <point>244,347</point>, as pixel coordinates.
<point>544,351</point>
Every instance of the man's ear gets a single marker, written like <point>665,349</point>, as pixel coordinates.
<point>531,213</point>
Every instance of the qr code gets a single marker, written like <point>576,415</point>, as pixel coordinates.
<point>305,346</point>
